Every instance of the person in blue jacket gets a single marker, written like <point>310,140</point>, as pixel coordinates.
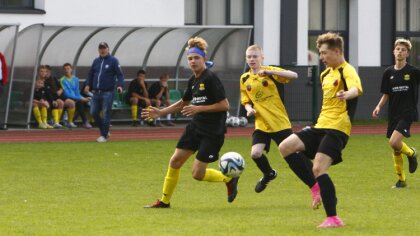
<point>72,98</point>
<point>105,74</point>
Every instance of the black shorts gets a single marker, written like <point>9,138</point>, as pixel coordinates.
<point>402,126</point>
<point>208,146</point>
<point>327,141</point>
<point>263,137</point>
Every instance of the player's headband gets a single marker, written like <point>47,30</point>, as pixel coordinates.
<point>196,50</point>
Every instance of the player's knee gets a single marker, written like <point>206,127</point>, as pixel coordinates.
<point>285,149</point>
<point>396,145</point>
<point>255,154</point>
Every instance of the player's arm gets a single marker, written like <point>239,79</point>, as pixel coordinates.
<point>191,110</point>
<point>156,112</point>
<point>349,94</point>
<point>382,102</point>
<point>288,74</point>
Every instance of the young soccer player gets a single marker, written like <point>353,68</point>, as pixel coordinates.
<point>325,141</point>
<point>400,86</point>
<point>260,95</point>
<point>205,101</point>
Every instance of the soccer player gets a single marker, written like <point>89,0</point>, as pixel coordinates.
<point>159,95</point>
<point>205,101</point>
<point>400,86</point>
<point>137,95</point>
<point>260,95</point>
<point>325,141</point>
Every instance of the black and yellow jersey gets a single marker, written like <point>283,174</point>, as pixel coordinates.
<point>334,114</point>
<point>262,92</point>
<point>402,88</point>
<point>207,90</point>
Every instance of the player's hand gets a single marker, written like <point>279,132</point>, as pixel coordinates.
<point>263,73</point>
<point>190,110</point>
<point>341,95</point>
<point>375,113</point>
<point>250,112</point>
<point>87,88</point>
<point>150,112</point>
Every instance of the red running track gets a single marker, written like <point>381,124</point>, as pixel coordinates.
<point>144,133</point>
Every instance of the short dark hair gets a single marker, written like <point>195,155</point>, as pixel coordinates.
<point>141,71</point>
<point>67,64</point>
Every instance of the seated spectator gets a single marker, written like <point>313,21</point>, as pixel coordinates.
<point>54,88</point>
<point>159,96</point>
<point>137,95</point>
<point>40,104</point>
<point>72,98</point>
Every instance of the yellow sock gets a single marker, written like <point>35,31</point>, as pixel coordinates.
<point>171,180</point>
<point>44,114</point>
<point>37,115</point>
<point>71,114</point>
<point>60,113</point>
<point>406,150</point>
<point>213,175</point>
<point>134,110</point>
<point>399,166</point>
<point>54,113</point>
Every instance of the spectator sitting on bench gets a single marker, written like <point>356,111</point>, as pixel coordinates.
<point>72,98</point>
<point>159,95</point>
<point>137,96</point>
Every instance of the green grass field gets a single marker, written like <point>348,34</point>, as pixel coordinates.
<point>100,189</point>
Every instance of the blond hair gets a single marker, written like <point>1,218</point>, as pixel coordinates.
<point>404,42</point>
<point>255,47</point>
<point>197,42</point>
<point>333,40</point>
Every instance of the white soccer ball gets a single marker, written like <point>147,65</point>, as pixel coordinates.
<point>232,164</point>
<point>229,121</point>
<point>243,121</point>
<point>235,121</point>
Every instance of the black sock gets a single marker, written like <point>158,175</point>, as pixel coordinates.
<point>263,164</point>
<point>300,167</point>
<point>329,198</point>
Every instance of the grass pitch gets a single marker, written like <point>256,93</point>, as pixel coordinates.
<point>89,188</point>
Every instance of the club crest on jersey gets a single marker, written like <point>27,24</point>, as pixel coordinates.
<point>335,83</point>
<point>265,83</point>
<point>248,87</point>
<point>201,88</point>
<point>406,77</point>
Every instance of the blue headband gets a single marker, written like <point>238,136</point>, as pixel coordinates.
<point>196,50</point>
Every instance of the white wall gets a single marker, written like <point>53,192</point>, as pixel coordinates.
<point>267,29</point>
<point>302,44</point>
<point>103,12</point>
<point>365,33</point>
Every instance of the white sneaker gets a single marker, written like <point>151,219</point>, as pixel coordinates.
<point>57,125</point>
<point>101,139</point>
<point>43,126</point>
<point>72,125</point>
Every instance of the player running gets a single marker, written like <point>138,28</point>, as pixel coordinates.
<point>400,85</point>
<point>205,101</point>
<point>261,96</point>
<point>325,141</point>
